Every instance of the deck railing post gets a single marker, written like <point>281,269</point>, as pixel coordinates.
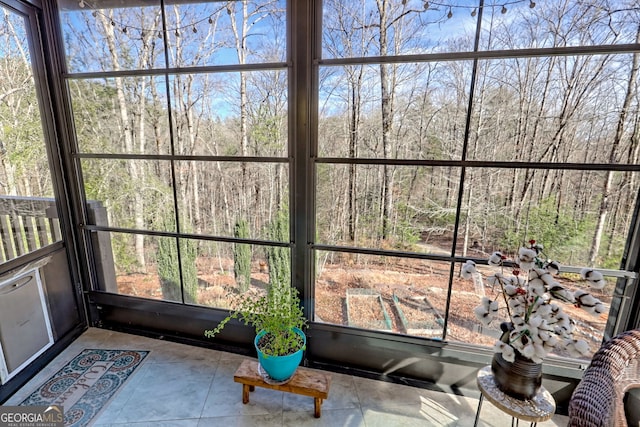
<point>101,242</point>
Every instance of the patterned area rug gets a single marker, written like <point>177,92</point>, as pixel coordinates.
<point>85,384</point>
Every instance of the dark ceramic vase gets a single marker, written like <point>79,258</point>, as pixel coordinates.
<point>520,379</point>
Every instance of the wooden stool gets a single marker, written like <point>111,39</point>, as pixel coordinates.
<point>305,381</point>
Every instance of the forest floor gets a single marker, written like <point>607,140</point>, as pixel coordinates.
<point>409,297</point>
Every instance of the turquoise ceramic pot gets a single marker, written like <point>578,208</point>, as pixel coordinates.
<point>280,368</point>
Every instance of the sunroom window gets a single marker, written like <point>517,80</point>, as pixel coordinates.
<point>437,132</point>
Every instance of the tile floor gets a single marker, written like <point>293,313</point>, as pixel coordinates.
<point>184,386</point>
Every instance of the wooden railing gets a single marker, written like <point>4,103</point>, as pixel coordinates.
<point>30,223</point>
<point>27,224</point>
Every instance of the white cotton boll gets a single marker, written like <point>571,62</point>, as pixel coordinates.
<point>535,273</point>
<point>518,322</point>
<point>544,334</point>
<point>536,339</point>
<point>595,278</point>
<point>599,308</point>
<point>555,310</point>
<point>552,267</point>
<point>495,259</point>
<point>515,301</point>
<point>536,303</point>
<point>510,290</point>
<point>590,274</point>
<point>526,258</point>
<point>545,330</point>
<point>536,287</point>
<point>544,310</point>
<point>548,279</point>
<point>493,307</point>
<point>486,311</point>
<point>517,307</point>
<point>563,317</point>
<point>551,342</point>
<point>540,351</point>
<point>528,351</point>
<point>508,353</point>
<point>526,265</point>
<point>586,301</point>
<point>468,269</point>
<point>535,321</point>
<point>516,341</point>
<point>563,325</point>
<point>559,292</point>
<point>576,348</point>
<point>482,315</point>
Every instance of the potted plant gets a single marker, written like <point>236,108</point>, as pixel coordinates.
<point>278,319</point>
<point>532,323</point>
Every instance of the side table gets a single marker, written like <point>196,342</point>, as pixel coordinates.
<point>540,408</point>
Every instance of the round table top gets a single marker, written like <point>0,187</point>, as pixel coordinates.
<point>540,408</point>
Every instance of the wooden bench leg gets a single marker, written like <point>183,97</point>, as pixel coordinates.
<point>317,402</point>
<point>245,393</point>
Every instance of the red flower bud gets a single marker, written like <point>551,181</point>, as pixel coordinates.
<point>516,272</point>
<point>532,242</point>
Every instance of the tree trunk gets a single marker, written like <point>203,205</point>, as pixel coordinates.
<point>132,166</point>
<point>387,117</point>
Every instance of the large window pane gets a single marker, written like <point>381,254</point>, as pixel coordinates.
<point>570,109</point>
<point>406,296</point>
<point>104,38</point>
<point>361,29</point>
<point>223,196</point>
<point>121,115</point>
<point>418,215</point>
<point>234,32</point>
<point>558,23</point>
<point>581,217</point>
<point>212,274</point>
<point>101,38</point>
<point>28,214</point>
<point>421,116</point>
<point>228,270</point>
<point>137,194</point>
<point>409,28</point>
<point>230,114</point>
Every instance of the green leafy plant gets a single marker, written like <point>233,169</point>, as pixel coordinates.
<point>277,312</point>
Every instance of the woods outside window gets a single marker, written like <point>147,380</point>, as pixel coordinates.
<point>439,131</point>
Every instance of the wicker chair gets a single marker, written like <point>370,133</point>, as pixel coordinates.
<point>614,369</point>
